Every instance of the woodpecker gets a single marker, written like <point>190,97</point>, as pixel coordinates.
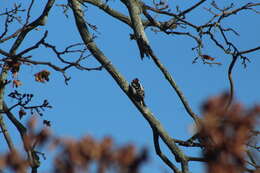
<point>137,91</point>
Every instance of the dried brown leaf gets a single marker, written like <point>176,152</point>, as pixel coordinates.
<point>42,76</point>
<point>16,83</point>
<point>207,57</point>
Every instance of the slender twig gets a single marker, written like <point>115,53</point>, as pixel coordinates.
<point>19,126</point>
<point>171,14</point>
<point>249,50</point>
<point>28,15</point>
<point>10,17</point>
<point>39,21</point>
<point>4,53</point>
<point>103,6</point>
<point>252,159</point>
<point>34,46</point>
<point>231,83</point>
<point>191,8</point>
<point>13,35</point>
<point>188,143</point>
<point>170,79</point>
<point>198,159</point>
<point>161,155</point>
<point>244,7</point>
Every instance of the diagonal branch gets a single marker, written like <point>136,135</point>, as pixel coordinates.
<point>34,46</point>
<point>191,8</point>
<point>161,155</point>
<point>38,22</point>
<point>188,143</point>
<point>103,6</point>
<point>249,50</point>
<point>170,79</point>
<point>135,9</point>
<point>32,158</point>
<point>19,126</point>
<point>231,83</point>
<point>139,32</point>
<point>3,127</point>
<point>6,134</point>
<point>123,84</point>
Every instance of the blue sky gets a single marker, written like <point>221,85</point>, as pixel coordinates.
<point>93,104</point>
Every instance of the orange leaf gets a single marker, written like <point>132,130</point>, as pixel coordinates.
<point>21,113</point>
<point>42,76</point>
<point>16,83</point>
<point>207,57</point>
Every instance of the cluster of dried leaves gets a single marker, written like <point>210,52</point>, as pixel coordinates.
<point>226,133</point>
<point>79,155</point>
<point>74,155</point>
<point>14,67</point>
<point>18,162</point>
<point>14,161</point>
<point>42,76</point>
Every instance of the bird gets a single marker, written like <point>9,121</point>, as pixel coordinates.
<point>137,91</point>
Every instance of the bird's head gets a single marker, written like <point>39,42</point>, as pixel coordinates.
<point>135,80</point>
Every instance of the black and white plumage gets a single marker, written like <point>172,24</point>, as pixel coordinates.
<point>137,91</point>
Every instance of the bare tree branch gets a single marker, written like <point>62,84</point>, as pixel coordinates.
<point>191,8</point>
<point>198,159</point>
<point>231,83</point>
<point>3,76</point>
<point>161,155</point>
<point>2,123</point>
<point>38,22</point>
<point>159,17</point>
<point>188,143</point>
<point>103,6</point>
<point>168,76</point>
<point>154,123</point>
<point>135,10</point>
<point>19,126</point>
<point>6,134</point>
<point>249,50</point>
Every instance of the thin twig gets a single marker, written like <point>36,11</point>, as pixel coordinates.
<point>19,126</point>
<point>249,50</point>
<point>170,79</point>
<point>231,83</point>
<point>161,155</point>
<point>188,143</point>
<point>198,159</point>
<point>191,8</point>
